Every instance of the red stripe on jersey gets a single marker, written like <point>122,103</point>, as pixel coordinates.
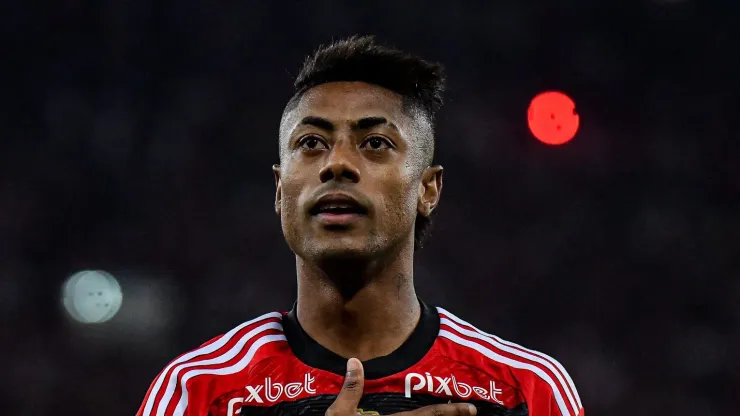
<point>171,391</point>
<point>471,337</point>
<point>553,366</point>
<point>209,350</point>
<point>229,363</point>
<point>567,381</point>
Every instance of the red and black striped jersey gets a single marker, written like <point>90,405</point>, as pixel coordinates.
<point>269,366</point>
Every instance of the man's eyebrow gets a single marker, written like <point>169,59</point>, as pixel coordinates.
<point>370,122</point>
<point>361,124</point>
<point>319,122</point>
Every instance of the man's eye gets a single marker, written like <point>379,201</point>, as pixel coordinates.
<point>376,143</point>
<point>312,143</point>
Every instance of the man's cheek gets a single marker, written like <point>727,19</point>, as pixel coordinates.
<point>290,197</point>
<point>409,196</point>
<point>400,204</point>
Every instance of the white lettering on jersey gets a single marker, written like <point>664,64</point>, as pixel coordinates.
<point>269,387</point>
<point>445,385</point>
<point>274,391</point>
<point>232,403</point>
<point>254,394</point>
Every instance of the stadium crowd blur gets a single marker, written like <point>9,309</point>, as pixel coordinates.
<point>139,136</point>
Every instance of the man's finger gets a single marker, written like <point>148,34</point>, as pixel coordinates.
<point>349,397</point>
<point>452,409</point>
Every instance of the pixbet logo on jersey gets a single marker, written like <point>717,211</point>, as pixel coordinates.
<point>272,392</point>
<point>448,385</point>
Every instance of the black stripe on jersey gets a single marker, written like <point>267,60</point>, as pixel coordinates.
<point>382,403</point>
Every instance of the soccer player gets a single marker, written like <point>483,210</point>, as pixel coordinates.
<point>355,190</point>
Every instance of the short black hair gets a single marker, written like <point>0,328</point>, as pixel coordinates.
<point>359,58</point>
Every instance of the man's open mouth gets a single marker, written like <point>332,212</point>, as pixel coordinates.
<point>338,205</point>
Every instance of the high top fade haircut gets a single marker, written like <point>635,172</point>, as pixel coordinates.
<point>420,83</point>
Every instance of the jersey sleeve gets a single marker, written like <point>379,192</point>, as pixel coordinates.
<point>549,390</point>
<point>170,395</point>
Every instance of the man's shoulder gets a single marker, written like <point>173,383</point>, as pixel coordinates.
<point>247,333</point>
<point>235,351</point>
<point>469,343</point>
<point>215,367</point>
<point>533,372</point>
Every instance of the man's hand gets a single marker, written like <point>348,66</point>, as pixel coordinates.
<point>351,393</point>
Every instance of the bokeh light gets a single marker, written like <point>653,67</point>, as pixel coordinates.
<point>552,118</point>
<point>92,296</point>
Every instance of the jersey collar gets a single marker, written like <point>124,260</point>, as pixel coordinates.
<point>409,353</point>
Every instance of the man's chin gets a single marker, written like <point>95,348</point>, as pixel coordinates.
<point>339,249</point>
<point>339,252</point>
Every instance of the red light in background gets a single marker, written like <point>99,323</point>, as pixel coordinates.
<point>552,118</point>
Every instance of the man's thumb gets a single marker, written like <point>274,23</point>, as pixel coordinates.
<point>351,393</point>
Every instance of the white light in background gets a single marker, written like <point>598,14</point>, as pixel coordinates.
<point>92,296</point>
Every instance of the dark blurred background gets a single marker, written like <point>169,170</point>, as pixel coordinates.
<point>138,138</point>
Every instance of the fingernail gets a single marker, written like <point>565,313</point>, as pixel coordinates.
<point>473,410</point>
<point>352,365</point>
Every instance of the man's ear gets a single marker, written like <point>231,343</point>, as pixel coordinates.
<point>278,188</point>
<point>430,190</point>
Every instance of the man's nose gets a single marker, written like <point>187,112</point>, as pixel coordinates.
<point>341,164</point>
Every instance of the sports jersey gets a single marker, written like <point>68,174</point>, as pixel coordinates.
<point>270,366</point>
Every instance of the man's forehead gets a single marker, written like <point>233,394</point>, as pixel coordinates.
<point>350,97</point>
<point>346,102</point>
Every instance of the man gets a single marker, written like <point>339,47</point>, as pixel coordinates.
<point>355,189</point>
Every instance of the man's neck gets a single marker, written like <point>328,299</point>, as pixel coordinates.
<point>370,320</point>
